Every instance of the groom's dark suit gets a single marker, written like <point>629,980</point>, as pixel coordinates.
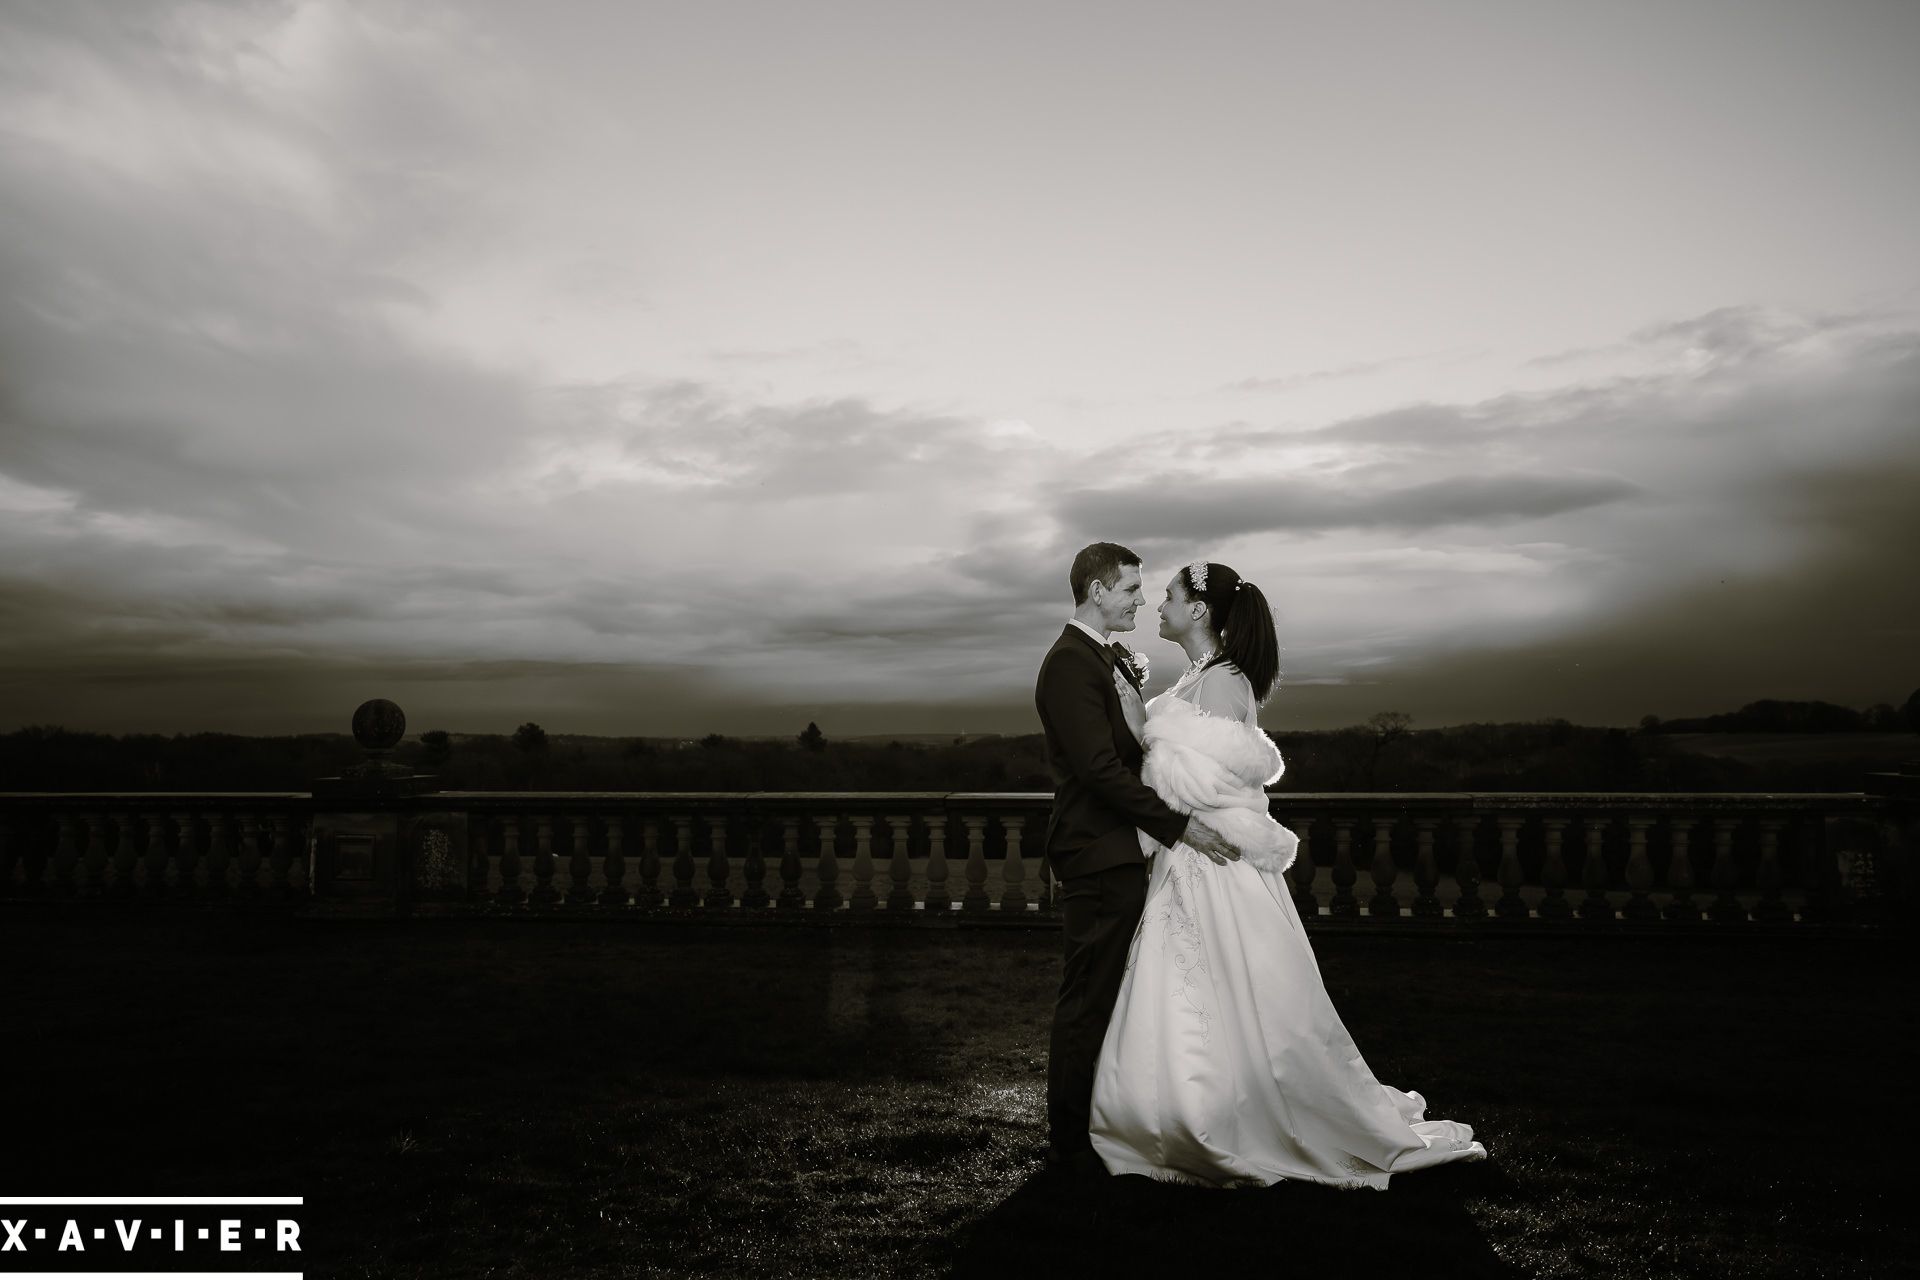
<point>1098,802</point>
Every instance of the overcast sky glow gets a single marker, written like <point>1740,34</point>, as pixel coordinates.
<point>665,368</point>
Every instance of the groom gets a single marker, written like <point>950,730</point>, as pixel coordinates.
<point>1098,802</point>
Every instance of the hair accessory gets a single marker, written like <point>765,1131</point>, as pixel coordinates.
<point>1198,572</point>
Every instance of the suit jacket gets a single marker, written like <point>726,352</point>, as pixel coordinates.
<point>1098,798</point>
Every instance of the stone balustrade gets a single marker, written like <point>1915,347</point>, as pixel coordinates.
<point>1479,860</point>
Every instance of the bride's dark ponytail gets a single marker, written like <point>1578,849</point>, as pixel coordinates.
<point>1242,624</point>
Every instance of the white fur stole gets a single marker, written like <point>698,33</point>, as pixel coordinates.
<point>1218,769</point>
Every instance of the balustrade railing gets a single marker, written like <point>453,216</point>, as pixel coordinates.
<point>1466,860</point>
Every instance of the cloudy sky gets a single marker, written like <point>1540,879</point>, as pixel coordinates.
<point>658,368</point>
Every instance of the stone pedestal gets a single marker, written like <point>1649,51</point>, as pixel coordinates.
<point>1894,872</point>
<point>375,849</point>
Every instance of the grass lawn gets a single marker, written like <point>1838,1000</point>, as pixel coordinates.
<point>558,1098</point>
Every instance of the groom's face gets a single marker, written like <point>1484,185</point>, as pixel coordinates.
<point>1119,602</point>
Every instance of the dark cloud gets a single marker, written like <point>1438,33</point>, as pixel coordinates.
<point>1842,624</point>
<point>1203,511</point>
<point>1729,334</point>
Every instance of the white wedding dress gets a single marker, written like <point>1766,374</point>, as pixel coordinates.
<point>1225,1063</point>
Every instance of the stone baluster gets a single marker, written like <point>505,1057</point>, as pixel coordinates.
<point>513,890</point>
<point>1639,905</point>
<point>31,857</point>
<point>18,870</point>
<point>596,867</point>
<point>827,896</point>
<point>863,895</point>
<point>1818,878</point>
<point>1426,870</point>
<point>1466,870</point>
<point>183,872</point>
<point>485,845</point>
<point>684,894</point>
<point>792,896</point>
<point>32,842</point>
<point>1013,869</point>
<point>1344,904</point>
<point>544,891</point>
<point>64,865</point>
<point>1595,907</point>
<point>299,882</point>
<point>1553,870</point>
<point>613,873</point>
<point>753,895</point>
<point>125,867</point>
<point>256,850</point>
<point>1301,873</point>
<point>1680,872</point>
<point>249,860</point>
<point>1726,907</point>
<point>152,873</point>
<point>1511,905</point>
<point>218,869</point>
<point>647,896</point>
<point>94,867</point>
<point>900,863</point>
<point>278,863</point>
<point>976,897</point>
<point>38,842</point>
<point>263,863</point>
<point>1770,909</point>
<point>937,899</point>
<point>1383,904</point>
<point>581,891</point>
<point>719,864</point>
<point>22,857</point>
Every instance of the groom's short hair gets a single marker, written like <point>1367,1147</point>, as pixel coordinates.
<point>1102,560</point>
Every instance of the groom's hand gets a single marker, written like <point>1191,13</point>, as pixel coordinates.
<point>1131,708</point>
<point>1205,839</point>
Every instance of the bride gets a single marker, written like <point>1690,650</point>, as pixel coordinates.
<point>1225,1063</point>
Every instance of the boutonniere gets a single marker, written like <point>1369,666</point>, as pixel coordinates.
<point>1133,662</point>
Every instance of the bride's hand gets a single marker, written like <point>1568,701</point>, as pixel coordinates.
<point>1132,708</point>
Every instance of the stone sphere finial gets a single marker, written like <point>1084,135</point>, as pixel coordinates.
<point>378,725</point>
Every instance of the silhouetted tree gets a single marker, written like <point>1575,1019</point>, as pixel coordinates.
<point>1912,710</point>
<point>1884,717</point>
<point>1649,724</point>
<point>1386,728</point>
<point>811,739</point>
<point>437,744</point>
<point>530,738</point>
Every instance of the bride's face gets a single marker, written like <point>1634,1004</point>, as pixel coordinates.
<point>1176,611</point>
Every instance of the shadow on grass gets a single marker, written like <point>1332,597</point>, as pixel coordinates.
<point>1134,1226</point>
<point>518,1098</point>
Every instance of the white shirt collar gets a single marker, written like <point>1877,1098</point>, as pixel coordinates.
<point>1099,639</point>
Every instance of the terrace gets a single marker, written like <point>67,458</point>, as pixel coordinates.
<point>798,1034</point>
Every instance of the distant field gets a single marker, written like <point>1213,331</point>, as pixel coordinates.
<point>1882,750</point>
